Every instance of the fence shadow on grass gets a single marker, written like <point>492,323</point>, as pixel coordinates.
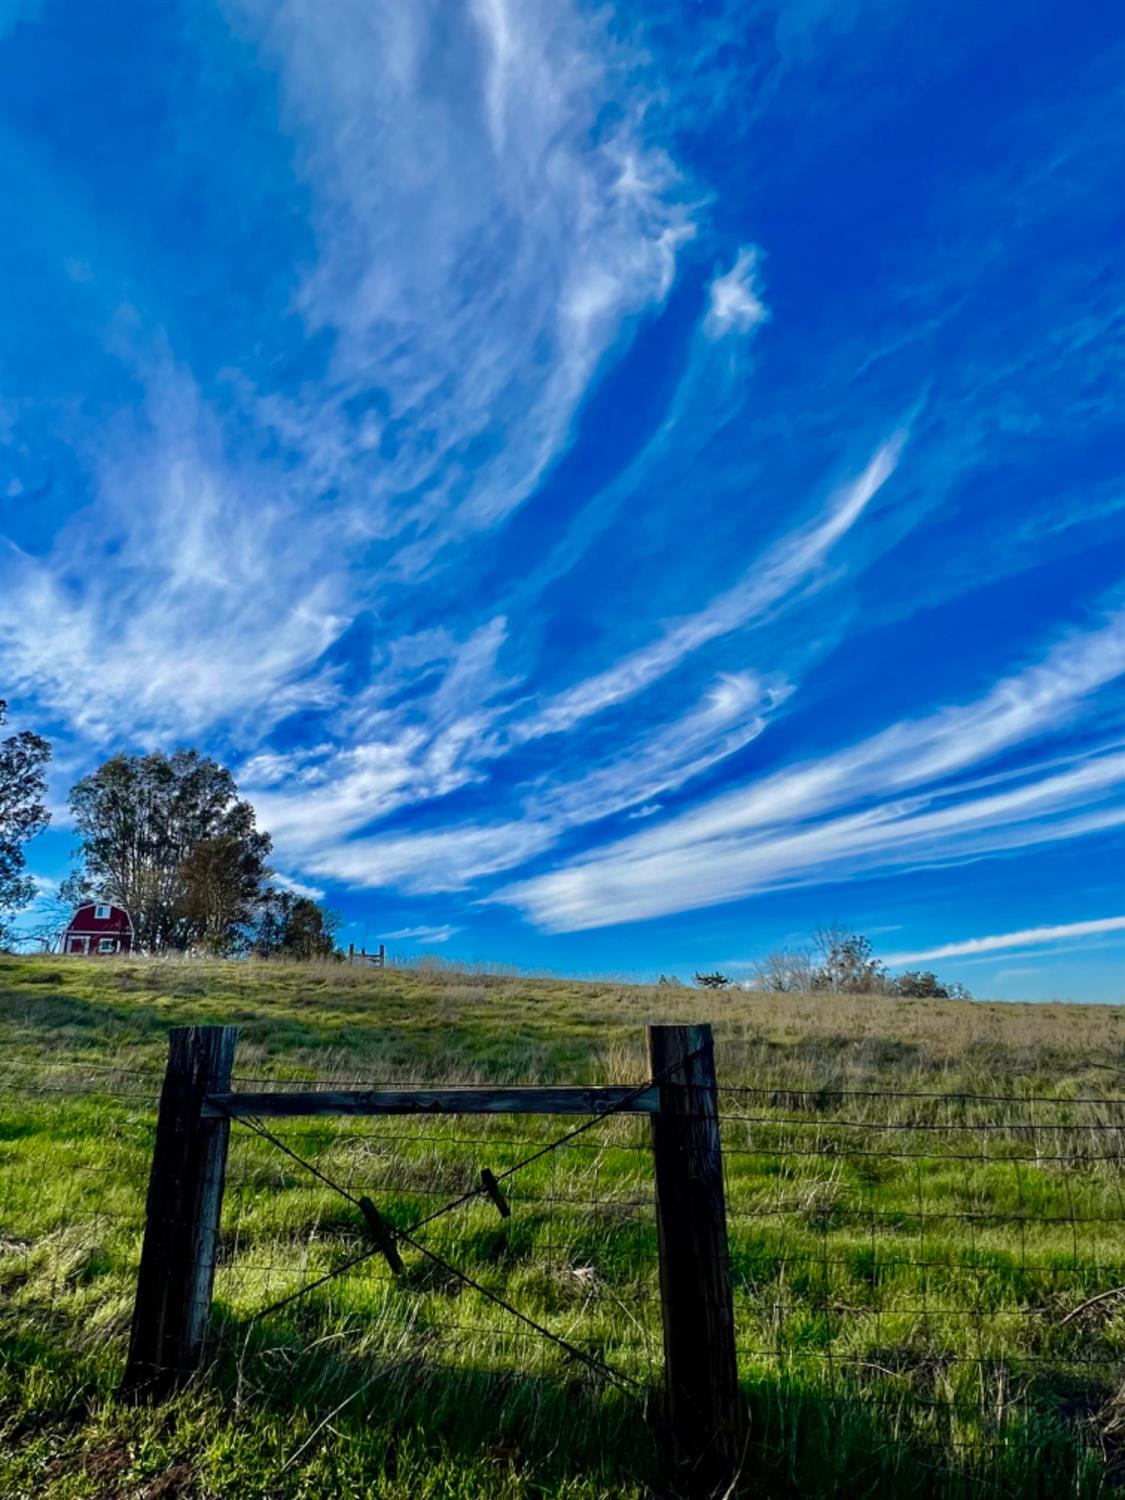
<point>551,1428</point>
<point>558,1427</point>
<point>563,1427</point>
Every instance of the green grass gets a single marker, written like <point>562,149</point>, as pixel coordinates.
<point>900,1316</point>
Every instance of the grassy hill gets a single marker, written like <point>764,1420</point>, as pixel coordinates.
<point>922,1197</point>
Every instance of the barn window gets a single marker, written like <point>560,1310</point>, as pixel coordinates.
<point>107,945</point>
<point>101,913</point>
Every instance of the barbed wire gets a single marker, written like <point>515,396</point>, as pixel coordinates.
<point>1007,1362</point>
<point>76,1060</point>
<point>779,1092</point>
<point>784,1091</point>
<point>901,1215</point>
<point>831,1150</point>
<point>71,1092</point>
<point>495,1140</point>
<point>972,1263</point>
<point>965,1127</point>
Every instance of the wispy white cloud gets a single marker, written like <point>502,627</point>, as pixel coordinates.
<point>729,717</point>
<point>1029,937</point>
<point>629,883</point>
<point>794,826</point>
<point>221,557</point>
<point>734,303</point>
<point>390,758</point>
<point>789,566</point>
<point>187,599</point>
<point>491,152</point>
<point>422,934</point>
<point>337,793</point>
<point>447,860</point>
<point>317,802</point>
<point>298,887</point>
<point>1017,710</point>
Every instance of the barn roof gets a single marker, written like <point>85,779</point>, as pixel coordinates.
<point>115,910</point>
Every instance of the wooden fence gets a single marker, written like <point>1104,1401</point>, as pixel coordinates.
<point>703,1414</point>
<point>376,960</point>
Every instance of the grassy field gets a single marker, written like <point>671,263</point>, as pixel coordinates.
<point>910,1263</point>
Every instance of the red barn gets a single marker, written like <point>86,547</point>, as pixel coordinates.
<point>99,928</point>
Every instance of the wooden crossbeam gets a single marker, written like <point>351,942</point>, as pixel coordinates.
<point>450,1101</point>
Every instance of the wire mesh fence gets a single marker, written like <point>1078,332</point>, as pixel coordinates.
<point>953,1262</point>
<point>948,1268</point>
<point>576,1258</point>
<point>75,1143</point>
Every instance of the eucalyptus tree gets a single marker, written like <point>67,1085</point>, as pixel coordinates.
<point>23,784</point>
<point>168,838</point>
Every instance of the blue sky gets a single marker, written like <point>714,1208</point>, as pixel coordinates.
<point>619,484</point>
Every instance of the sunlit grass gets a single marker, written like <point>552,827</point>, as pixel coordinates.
<point>905,1268</point>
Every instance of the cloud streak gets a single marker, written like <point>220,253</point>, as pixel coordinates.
<point>228,544</point>
<point>452,859</point>
<point>422,934</point>
<point>788,566</point>
<point>206,610</point>
<point>793,827</point>
<point>1029,937</point>
<point>498,165</point>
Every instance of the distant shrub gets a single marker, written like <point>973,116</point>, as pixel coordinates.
<point>784,971</point>
<point>293,927</point>
<point>713,981</point>
<point>843,963</point>
<point>922,984</point>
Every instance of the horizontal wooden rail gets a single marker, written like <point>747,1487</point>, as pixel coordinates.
<point>452,1101</point>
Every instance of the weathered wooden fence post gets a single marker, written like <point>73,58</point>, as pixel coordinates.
<point>185,1196</point>
<point>704,1411</point>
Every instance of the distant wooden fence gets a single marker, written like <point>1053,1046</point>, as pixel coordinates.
<point>376,960</point>
<point>703,1410</point>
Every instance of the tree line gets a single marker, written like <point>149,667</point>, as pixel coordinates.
<point>168,838</point>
